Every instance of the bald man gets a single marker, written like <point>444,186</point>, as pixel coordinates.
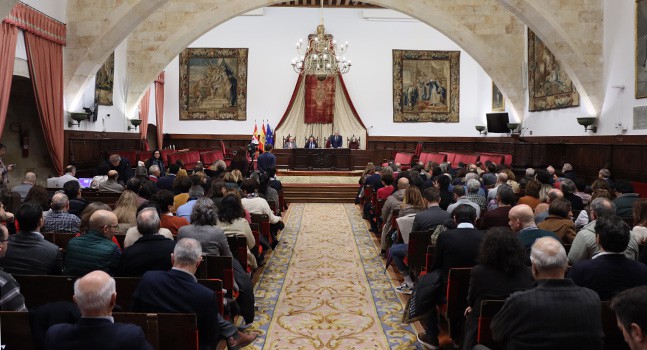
<point>111,185</point>
<point>522,221</point>
<point>556,314</point>
<point>59,220</point>
<point>95,294</point>
<point>94,250</point>
<point>27,183</point>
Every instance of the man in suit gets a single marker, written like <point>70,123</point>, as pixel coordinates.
<point>178,291</point>
<point>73,191</point>
<point>311,143</point>
<point>11,299</point>
<point>522,222</point>
<point>166,182</point>
<point>610,271</point>
<point>30,253</point>
<point>95,295</point>
<point>289,144</point>
<point>499,217</point>
<point>458,247</point>
<point>630,307</point>
<point>266,160</point>
<point>556,314</point>
<point>152,251</point>
<point>336,140</point>
<point>625,198</point>
<point>115,162</point>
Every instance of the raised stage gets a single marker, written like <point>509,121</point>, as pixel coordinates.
<point>319,186</point>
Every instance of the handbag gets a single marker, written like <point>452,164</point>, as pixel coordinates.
<point>426,295</point>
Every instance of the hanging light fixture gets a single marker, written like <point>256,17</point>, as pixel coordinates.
<point>321,56</point>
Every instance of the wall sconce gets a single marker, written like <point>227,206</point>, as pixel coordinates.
<point>135,123</point>
<point>513,128</point>
<point>481,129</point>
<point>588,122</point>
<point>77,118</point>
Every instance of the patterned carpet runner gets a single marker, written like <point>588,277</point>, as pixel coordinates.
<point>325,287</point>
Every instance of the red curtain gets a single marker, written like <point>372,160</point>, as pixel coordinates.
<point>144,108</point>
<point>159,109</point>
<point>46,70</point>
<point>320,100</point>
<point>34,22</point>
<point>8,37</point>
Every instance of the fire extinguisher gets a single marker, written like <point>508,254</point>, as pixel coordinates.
<point>24,142</point>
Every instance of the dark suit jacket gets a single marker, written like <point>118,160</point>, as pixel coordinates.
<point>30,254</point>
<point>555,315</point>
<point>176,291</point>
<point>528,237</point>
<point>95,333</point>
<point>495,217</point>
<point>312,144</point>
<point>336,141</point>
<point>77,205</point>
<point>431,218</point>
<point>166,182</point>
<point>124,170</point>
<point>146,254</point>
<point>457,248</point>
<point>609,274</point>
<point>265,161</point>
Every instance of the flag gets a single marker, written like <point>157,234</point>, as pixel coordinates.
<point>261,138</point>
<point>269,135</point>
<point>255,135</point>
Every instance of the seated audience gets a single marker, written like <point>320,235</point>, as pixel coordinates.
<point>522,223</point>
<point>556,314</point>
<point>387,186</point>
<point>473,187</point>
<point>625,198</point>
<point>177,291</point>
<point>217,169</point>
<point>133,234</point>
<point>111,184</point>
<point>28,181</point>
<point>311,143</point>
<point>580,186</point>
<point>630,307</point>
<point>391,203</point>
<point>157,160</point>
<point>239,161</point>
<point>217,191</point>
<point>38,194</point>
<point>559,220</point>
<point>605,175</point>
<point>528,176</point>
<point>102,176</point>
<point>265,190</point>
<point>94,250</point>
<point>164,201</point>
<point>202,228</point>
<point>11,299</point>
<point>461,198</point>
<point>568,172</point>
<point>505,198</point>
<point>181,188</point>
<point>610,271</point>
<point>147,186</point>
<point>59,220</point>
<point>231,219</point>
<point>73,191</point>
<point>28,253</point>
<point>457,247</point>
<point>59,182</point>
<point>257,205</point>
<point>274,182</point>
<point>568,189</point>
<point>165,182</point>
<point>151,251</point>
<point>95,294</point>
<point>266,160</point>
<point>541,211</point>
<point>185,210</point>
<point>585,245</point>
<point>122,166</point>
<point>126,210</point>
<point>500,272</point>
<point>442,183</point>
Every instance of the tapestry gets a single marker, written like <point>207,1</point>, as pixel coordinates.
<point>319,99</point>
<point>213,84</point>
<point>641,49</point>
<point>105,81</point>
<point>426,86</point>
<point>548,84</point>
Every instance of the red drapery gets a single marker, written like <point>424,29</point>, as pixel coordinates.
<point>320,100</point>
<point>159,109</point>
<point>8,37</point>
<point>46,70</point>
<point>34,22</point>
<point>144,108</point>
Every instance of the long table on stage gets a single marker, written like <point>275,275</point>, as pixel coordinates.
<point>315,158</point>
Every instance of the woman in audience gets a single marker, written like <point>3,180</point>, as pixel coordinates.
<point>500,272</point>
<point>132,235</point>
<point>640,221</point>
<point>600,184</point>
<point>216,191</point>
<point>412,202</point>
<point>39,195</point>
<point>125,209</point>
<point>512,180</point>
<point>181,187</point>
<point>231,219</point>
<point>156,159</point>
<point>238,175</point>
<point>239,161</point>
<point>164,201</point>
<point>203,229</point>
<point>532,194</point>
<point>230,180</point>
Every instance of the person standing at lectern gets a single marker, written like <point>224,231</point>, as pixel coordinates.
<point>311,143</point>
<point>336,140</point>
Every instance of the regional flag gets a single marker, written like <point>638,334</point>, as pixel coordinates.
<point>255,135</point>
<point>269,135</point>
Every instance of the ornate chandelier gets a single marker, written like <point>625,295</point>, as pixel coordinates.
<point>321,55</point>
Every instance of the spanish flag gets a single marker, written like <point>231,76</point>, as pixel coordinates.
<point>261,138</point>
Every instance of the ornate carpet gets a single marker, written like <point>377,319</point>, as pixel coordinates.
<point>325,287</point>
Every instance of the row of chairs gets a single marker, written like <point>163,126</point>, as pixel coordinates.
<point>163,331</point>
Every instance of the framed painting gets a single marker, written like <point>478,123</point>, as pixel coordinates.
<point>498,102</point>
<point>426,86</point>
<point>105,81</point>
<point>641,48</point>
<point>213,84</point>
<point>548,84</point>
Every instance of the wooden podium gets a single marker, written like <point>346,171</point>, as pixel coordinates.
<point>320,159</point>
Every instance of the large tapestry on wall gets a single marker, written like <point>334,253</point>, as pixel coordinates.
<point>548,84</point>
<point>213,84</point>
<point>320,100</point>
<point>641,49</point>
<point>426,86</point>
<point>104,82</point>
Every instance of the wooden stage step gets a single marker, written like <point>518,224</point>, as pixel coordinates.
<point>320,193</point>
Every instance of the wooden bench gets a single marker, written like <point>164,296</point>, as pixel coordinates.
<point>219,268</point>
<point>263,221</point>
<point>458,283</point>
<point>62,239</point>
<point>163,331</point>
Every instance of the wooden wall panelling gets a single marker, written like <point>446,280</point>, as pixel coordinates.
<point>85,149</point>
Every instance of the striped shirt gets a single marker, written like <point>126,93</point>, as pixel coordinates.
<point>10,297</point>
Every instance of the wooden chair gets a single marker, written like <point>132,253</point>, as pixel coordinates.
<point>378,214</point>
<point>489,308</point>
<point>429,258</point>
<point>263,221</point>
<point>417,251</point>
<point>146,321</point>
<point>16,330</point>
<point>613,338</point>
<point>368,195</point>
<point>238,247</point>
<point>218,267</point>
<point>458,284</point>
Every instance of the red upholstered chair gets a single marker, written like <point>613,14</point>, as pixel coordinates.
<point>404,159</point>
<point>450,156</point>
<point>489,308</point>
<point>458,284</point>
<point>496,159</point>
<point>466,158</point>
<point>506,157</point>
<point>263,221</point>
<point>426,157</point>
<point>210,157</point>
<point>238,247</point>
<point>328,144</point>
